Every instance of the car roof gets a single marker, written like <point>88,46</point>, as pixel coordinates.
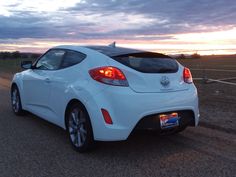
<point>111,51</point>
<point>114,51</point>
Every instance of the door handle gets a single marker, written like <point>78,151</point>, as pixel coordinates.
<point>47,80</point>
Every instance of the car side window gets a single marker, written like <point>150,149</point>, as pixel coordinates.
<point>51,60</point>
<point>72,58</point>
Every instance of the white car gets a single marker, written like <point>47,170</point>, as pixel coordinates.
<point>103,93</point>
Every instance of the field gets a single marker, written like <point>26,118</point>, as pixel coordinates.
<point>34,147</point>
<point>217,100</point>
<point>11,66</point>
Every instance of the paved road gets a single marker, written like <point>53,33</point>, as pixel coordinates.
<point>31,147</point>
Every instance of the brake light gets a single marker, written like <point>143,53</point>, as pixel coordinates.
<point>106,116</point>
<point>109,75</point>
<point>187,76</point>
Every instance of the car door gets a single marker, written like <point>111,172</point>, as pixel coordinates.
<point>37,83</point>
<point>62,79</point>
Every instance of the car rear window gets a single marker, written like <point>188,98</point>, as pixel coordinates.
<point>149,62</point>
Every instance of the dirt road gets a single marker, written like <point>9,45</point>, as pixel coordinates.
<point>31,147</point>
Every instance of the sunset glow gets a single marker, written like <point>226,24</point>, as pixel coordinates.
<point>35,26</point>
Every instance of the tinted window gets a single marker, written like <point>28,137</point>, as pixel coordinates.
<point>149,62</point>
<point>72,58</point>
<point>51,60</point>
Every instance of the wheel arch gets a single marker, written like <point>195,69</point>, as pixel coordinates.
<point>19,111</point>
<point>69,104</point>
<point>18,82</point>
<point>14,85</point>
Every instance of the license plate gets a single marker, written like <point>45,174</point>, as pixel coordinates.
<point>169,120</point>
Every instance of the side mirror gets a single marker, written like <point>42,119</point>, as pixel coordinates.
<point>26,64</point>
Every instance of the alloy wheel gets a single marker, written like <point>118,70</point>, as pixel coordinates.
<point>15,100</point>
<point>77,127</point>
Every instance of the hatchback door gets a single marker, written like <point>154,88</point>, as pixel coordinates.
<point>152,72</point>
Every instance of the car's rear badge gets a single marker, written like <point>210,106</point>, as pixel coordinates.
<point>165,82</point>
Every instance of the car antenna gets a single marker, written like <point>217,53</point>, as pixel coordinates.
<point>113,44</point>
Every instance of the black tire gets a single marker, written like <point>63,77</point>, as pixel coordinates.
<point>79,128</point>
<point>173,131</point>
<point>180,129</point>
<point>16,101</point>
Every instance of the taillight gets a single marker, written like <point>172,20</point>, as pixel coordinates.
<point>109,75</point>
<point>187,76</point>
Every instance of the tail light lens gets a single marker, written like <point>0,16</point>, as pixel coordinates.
<point>109,75</point>
<point>187,76</point>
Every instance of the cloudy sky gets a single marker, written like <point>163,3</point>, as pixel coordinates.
<point>169,26</point>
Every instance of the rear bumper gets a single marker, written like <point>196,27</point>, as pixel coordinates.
<point>186,118</point>
<point>127,108</point>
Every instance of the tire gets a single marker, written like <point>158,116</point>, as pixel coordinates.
<point>79,128</point>
<point>16,101</point>
<point>180,129</point>
<point>173,131</point>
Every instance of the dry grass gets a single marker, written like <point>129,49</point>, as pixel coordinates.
<point>11,65</point>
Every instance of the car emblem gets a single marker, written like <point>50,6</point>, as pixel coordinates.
<point>165,81</point>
